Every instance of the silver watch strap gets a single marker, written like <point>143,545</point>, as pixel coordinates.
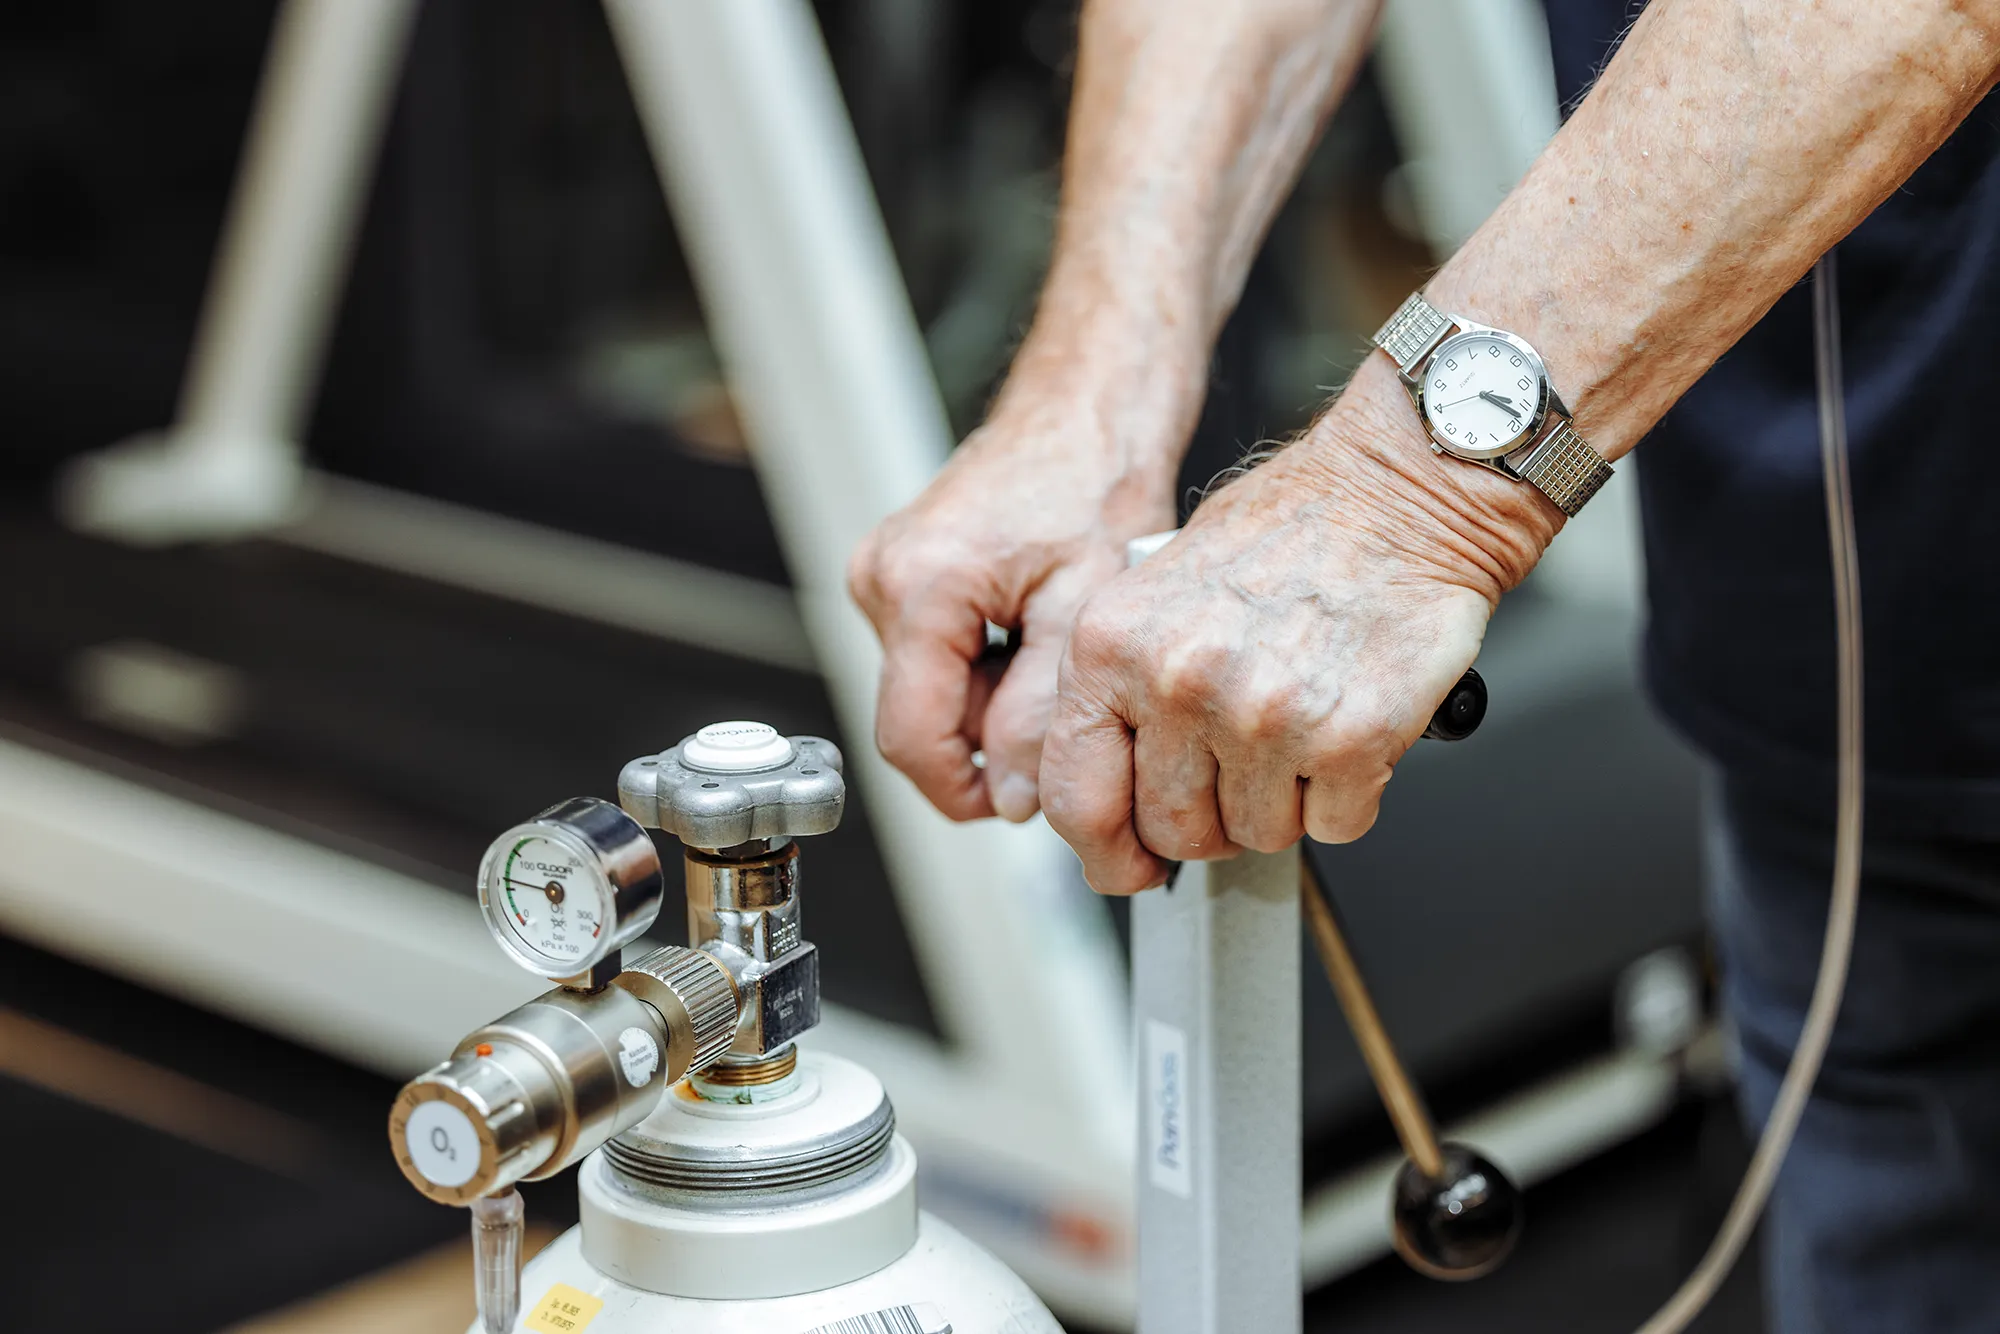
<point>1564,468</point>
<point>1411,332</point>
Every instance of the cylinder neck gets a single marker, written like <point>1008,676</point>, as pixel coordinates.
<point>750,904</point>
<point>743,911</point>
<point>749,1079</point>
<point>831,1123</point>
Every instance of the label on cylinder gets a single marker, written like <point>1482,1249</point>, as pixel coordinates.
<point>563,1311</point>
<point>922,1319</point>
<point>1167,1144</point>
<point>638,1056</point>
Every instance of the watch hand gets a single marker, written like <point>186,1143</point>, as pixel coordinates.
<point>1456,401</point>
<point>1499,401</point>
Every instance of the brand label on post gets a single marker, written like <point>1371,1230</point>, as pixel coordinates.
<point>1169,1146</point>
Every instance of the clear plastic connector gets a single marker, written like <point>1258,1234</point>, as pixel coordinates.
<point>498,1225</point>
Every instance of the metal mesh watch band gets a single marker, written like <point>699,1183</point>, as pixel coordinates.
<point>1564,468</point>
<point>1411,331</point>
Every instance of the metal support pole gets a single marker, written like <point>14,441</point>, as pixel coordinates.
<point>1215,965</point>
<point>232,462</point>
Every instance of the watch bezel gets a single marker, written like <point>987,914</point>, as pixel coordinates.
<point>1537,419</point>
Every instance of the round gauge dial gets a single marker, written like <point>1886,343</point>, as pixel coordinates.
<point>1482,393</point>
<point>565,890</point>
<point>556,903</point>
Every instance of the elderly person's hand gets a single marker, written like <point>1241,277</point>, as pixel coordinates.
<point>1029,518</point>
<point>1260,676</point>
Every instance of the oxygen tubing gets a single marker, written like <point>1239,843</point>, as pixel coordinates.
<point>1700,1286</point>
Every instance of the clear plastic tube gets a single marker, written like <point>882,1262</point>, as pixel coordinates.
<point>498,1224</point>
<point>1817,1031</point>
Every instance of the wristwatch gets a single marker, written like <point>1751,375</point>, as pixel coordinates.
<point>1483,396</point>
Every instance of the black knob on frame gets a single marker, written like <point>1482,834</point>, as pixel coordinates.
<point>1461,1225</point>
<point>1462,711</point>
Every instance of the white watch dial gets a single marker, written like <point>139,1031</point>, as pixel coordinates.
<point>1481,394</point>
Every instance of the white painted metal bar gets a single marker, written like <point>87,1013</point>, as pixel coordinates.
<point>1217,1021</point>
<point>232,462</point>
<point>810,318</point>
<point>544,567</point>
<point>1215,980</point>
<point>1470,90</point>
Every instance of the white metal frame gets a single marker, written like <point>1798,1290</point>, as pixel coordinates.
<point>1030,1101</point>
<point>1215,993</point>
<point>232,463</point>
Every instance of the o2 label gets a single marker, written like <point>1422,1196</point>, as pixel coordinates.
<point>442,1143</point>
<point>1169,1144</point>
<point>638,1056</point>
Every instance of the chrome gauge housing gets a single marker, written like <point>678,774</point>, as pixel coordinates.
<point>564,891</point>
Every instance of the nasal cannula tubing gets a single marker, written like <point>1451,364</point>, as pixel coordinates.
<point>1817,1031</point>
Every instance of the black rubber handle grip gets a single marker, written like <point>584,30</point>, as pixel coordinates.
<point>1462,711</point>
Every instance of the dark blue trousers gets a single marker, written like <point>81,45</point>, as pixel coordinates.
<point>1886,1218</point>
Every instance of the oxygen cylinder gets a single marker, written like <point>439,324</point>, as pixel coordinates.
<point>793,1216</point>
<point>730,1182</point>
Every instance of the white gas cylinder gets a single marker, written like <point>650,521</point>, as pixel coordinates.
<point>795,1213</point>
<point>944,1284</point>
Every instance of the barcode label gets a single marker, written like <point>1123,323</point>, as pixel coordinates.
<point>922,1319</point>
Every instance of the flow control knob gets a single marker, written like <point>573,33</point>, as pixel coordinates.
<point>476,1124</point>
<point>538,1089</point>
<point>732,783</point>
<point>694,994</point>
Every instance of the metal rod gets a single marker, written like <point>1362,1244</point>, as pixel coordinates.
<point>1400,1097</point>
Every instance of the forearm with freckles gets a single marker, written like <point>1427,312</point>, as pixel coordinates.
<point>1727,145</point>
<point>1188,122</point>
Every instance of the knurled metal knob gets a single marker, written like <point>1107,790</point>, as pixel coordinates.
<point>542,1086</point>
<point>474,1125</point>
<point>731,783</point>
<point>697,998</point>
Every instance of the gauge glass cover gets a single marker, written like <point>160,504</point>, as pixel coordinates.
<point>550,900</point>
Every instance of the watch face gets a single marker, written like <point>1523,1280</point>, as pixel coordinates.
<point>1482,393</point>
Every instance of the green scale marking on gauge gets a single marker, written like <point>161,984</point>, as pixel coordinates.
<point>566,890</point>
<point>539,881</point>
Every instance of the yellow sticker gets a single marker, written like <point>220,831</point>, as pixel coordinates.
<point>563,1311</point>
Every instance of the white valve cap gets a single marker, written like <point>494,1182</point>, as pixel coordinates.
<point>735,748</point>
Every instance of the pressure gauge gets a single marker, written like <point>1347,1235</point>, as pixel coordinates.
<point>569,887</point>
